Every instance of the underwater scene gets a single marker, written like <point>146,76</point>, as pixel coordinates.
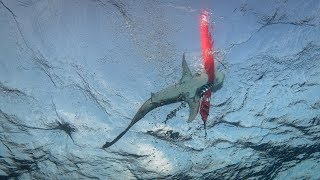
<point>159,89</point>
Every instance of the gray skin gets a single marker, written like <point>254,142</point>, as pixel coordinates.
<point>186,90</point>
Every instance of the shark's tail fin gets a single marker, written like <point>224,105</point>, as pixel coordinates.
<point>108,144</point>
<point>144,109</point>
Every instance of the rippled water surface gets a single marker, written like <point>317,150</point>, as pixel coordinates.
<point>73,74</point>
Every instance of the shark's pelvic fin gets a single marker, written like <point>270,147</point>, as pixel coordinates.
<point>186,73</point>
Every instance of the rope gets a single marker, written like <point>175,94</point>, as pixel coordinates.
<point>173,113</point>
<point>205,88</point>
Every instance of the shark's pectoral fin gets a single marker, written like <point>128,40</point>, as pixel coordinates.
<point>186,73</point>
<point>194,104</point>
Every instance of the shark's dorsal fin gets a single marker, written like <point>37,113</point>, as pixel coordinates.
<point>186,73</point>
<point>194,104</point>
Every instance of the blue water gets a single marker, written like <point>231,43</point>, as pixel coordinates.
<point>74,73</point>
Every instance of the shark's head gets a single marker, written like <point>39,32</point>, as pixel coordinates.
<point>218,81</point>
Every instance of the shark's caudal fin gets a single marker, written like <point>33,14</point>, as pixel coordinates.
<point>108,144</point>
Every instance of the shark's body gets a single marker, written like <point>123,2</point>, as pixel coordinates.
<point>188,89</point>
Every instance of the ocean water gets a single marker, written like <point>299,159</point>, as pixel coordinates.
<point>74,73</point>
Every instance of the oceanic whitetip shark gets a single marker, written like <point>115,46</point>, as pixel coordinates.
<point>189,89</point>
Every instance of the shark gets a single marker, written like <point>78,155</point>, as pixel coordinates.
<point>189,89</point>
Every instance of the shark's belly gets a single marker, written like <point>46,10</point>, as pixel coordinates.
<point>187,89</point>
<point>166,94</point>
